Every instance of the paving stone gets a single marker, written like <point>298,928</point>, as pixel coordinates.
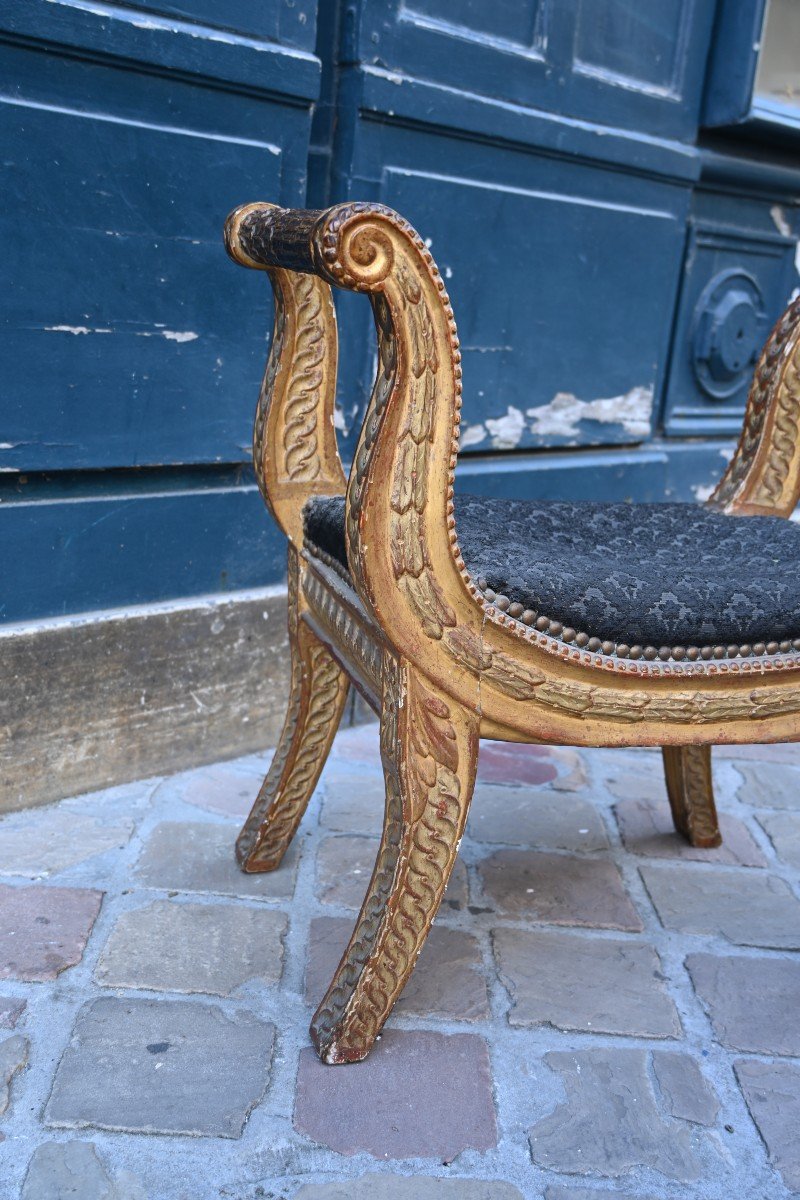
<point>228,789</point>
<point>748,908</point>
<point>772,1092</point>
<point>514,762</point>
<point>519,816</point>
<point>210,948</point>
<point>783,830</point>
<point>354,800</point>
<point>609,1123</point>
<point>358,744</point>
<point>344,868</point>
<point>418,1095</point>
<point>687,1092</point>
<point>418,1187</point>
<point>188,856</point>
<point>769,752</point>
<point>573,769</point>
<point>557,1192</point>
<point>10,1012</point>
<point>752,1002</point>
<point>73,1171</point>
<point>51,839</point>
<point>447,981</point>
<point>646,828</point>
<point>13,1057</point>
<point>44,930</point>
<point>161,1066</point>
<point>770,785</point>
<point>637,775</point>
<point>576,982</point>
<point>558,889</point>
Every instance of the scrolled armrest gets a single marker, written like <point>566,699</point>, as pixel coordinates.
<point>263,235</point>
<point>763,477</point>
<point>401,543</point>
<point>294,440</point>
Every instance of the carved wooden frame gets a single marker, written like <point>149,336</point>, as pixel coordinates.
<point>441,659</point>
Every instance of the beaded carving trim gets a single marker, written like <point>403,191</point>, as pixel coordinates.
<point>582,647</point>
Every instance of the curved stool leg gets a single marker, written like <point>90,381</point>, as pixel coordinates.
<point>429,748</point>
<point>691,794</point>
<point>319,689</point>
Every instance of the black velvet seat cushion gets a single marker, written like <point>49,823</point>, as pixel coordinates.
<point>657,574</point>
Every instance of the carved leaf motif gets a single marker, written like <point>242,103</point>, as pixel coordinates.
<point>515,678</point>
<point>426,597</point>
<point>367,984</point>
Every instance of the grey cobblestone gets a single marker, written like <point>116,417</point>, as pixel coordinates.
<point>684,1087</point>
<point>547,818</point>
<point>647,829</point>
<point>169,947</point>
<point>783,829</point>
<point>10,1012</point>
<point>73,1171</point>
<point>557,1192</point>
<point>752,1002</point>
<point>161,1066</point>
<point>418,1095</point>
<point>770,785</point>
<point>633,1123</point>
<point>393,1187</point>
<point>575,982</point>
<point>196,857</point>
<point>47,841</point>
<point>43,930</point>
<point>748,908</point>
<point>13,1057</point>
<point>558,889</point>
<point>772,1092</point>
<point>610,1123</point>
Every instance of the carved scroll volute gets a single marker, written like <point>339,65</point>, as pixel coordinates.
<point>400,531</point>
<point>763,476</point>
<point>294,440</point>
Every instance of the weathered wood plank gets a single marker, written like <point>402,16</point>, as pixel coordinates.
<point>93,701</point>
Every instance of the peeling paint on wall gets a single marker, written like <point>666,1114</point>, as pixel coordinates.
<point>779,219</point>
<point>561,417</point>
<point>74,329</point>
<point>506,431</point>
<point>471,435</point>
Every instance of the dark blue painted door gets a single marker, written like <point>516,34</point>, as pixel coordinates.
<point>133,349</point>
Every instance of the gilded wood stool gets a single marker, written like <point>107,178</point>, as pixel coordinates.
<point>665,625</point>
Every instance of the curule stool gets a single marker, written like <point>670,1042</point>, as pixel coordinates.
<point>672,625</point>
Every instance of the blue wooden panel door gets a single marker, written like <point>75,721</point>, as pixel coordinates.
<point>131,342</point>
<point>542,148</point>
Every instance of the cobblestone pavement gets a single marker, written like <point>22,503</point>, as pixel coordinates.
<point>601,1010</point>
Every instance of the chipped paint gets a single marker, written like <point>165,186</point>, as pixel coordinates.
<point>179,335</point>
<point>562,416</point>
<point>74,329</point>
<point>702,491</point>
<point>779,220</point>
<point>471,435</point>
<point>338,419</point>
<point>506,431</point>
<point>172,335</point>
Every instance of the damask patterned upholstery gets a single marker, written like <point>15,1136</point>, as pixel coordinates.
<point>658,574</point>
